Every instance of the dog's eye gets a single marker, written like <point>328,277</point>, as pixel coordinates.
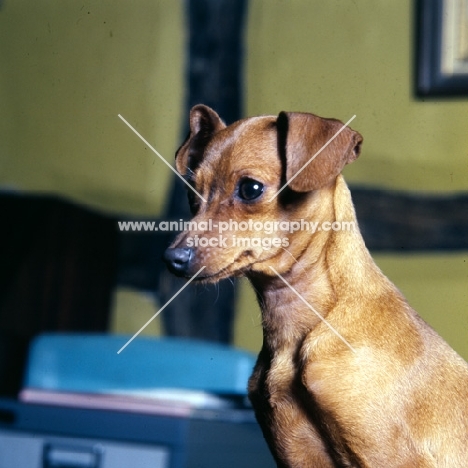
<point>249,189</point>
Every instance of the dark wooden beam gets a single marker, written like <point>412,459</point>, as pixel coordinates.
<point>404,222</point>
<point>214,77</point>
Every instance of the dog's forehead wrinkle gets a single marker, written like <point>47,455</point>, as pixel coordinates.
<point>249,151</point>
<point>240,143</point>
<point>256,132</point>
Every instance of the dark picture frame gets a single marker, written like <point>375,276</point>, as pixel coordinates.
<point>442,48</point>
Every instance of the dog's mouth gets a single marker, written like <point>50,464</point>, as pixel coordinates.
<point>220,275</point>
<point>237,268</point>
<point>229,271</point>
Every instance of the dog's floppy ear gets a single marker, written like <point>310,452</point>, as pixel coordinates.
<point>204,123</point>
<point>301,136</point>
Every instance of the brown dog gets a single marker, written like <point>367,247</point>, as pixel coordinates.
<point>370,385</point>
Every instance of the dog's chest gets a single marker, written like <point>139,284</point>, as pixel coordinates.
<point>279,400</point>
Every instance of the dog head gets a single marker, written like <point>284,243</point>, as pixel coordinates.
<point>251,178</point>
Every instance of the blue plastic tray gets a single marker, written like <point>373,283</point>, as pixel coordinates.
<point>90,363</point>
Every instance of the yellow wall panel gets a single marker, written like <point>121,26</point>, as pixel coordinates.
<point>68,69</point>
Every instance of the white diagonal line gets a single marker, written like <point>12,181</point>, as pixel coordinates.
<point>160,157</point>
<point>312,158</point>
<point>314,311</point>
<point>160,310</point>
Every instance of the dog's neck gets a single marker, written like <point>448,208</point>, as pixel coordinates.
<point>290,311</point>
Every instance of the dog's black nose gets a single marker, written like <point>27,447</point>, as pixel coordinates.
<point>178,260</point>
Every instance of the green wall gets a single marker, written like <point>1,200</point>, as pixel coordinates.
<point>68,68</point>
